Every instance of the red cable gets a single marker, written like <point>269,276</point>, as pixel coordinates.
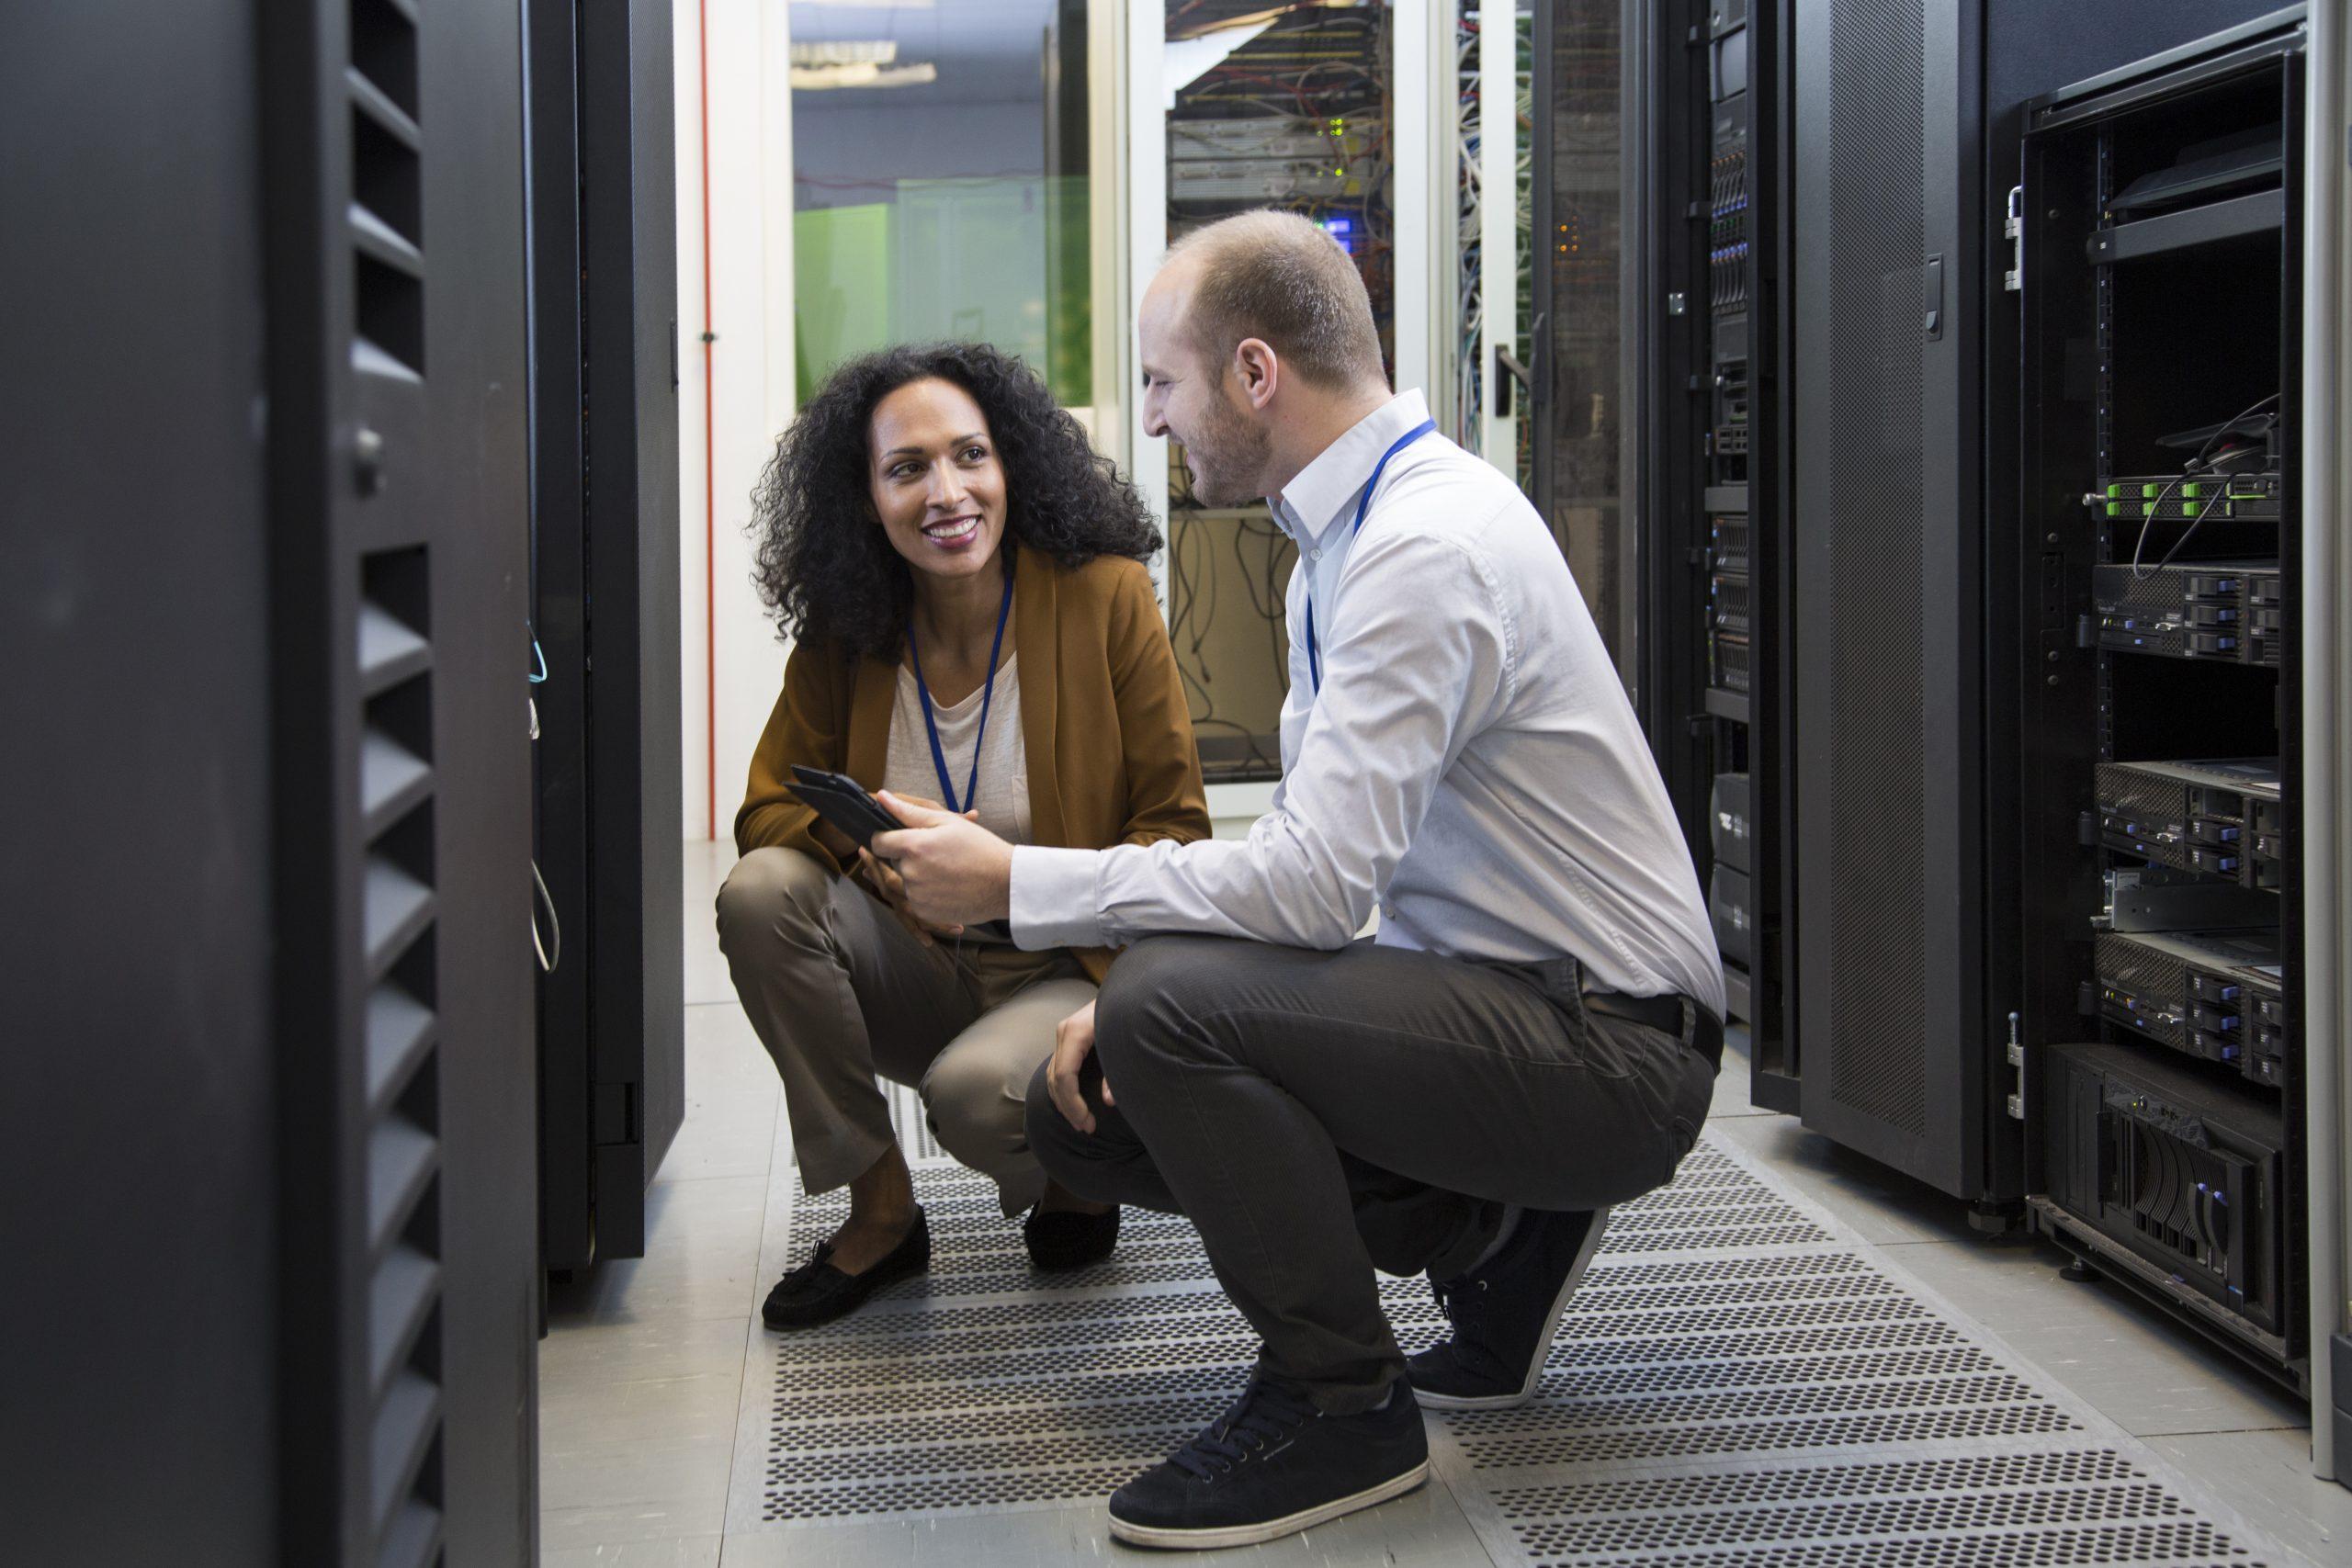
<point>709,462</point>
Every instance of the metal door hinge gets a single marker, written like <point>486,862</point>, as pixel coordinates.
<point>2013,228</point>
<point>2016,1056</point>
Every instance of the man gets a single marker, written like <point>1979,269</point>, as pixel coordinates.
<point>1532,1036</point>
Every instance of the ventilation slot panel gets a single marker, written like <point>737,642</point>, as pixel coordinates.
<point>400,1031</point>
<point>390,649</point>
<point>408,1419</point>
<point>385,218</point>
<point>400,1157</point>
<point>383,49</point>
<point>392,779</point>
<point>400,1036</point>
<point>395,776</point>
<point>398,1300</point>
<point>414,1539</point>
<point>396,907</point>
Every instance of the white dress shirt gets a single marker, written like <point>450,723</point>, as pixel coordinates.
<point>1472,765</point>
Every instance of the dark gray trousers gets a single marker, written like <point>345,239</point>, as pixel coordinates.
<point>1317,1115</point>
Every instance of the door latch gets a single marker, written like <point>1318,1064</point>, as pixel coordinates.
<point>2016,1055</point>
<point>2013,228</point>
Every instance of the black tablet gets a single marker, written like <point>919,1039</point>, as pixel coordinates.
<point>842,801</point>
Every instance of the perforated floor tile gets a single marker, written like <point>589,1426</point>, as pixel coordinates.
<point>1735,1383</point>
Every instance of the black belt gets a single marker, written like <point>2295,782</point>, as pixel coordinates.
<point>1665,1015</point>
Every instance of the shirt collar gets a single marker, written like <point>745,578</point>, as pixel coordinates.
<point>1322,495</point>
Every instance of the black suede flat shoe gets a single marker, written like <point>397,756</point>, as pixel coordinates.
<point>1063,1238</point>
<point>818,1292</point>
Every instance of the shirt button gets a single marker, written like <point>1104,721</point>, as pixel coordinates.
<point>1315,555</point>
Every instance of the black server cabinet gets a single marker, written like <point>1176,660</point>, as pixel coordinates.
<point>1717,577</point>
<point>2159,872</point>
<point>263,575</point>
<point>605,568</point>
<point>1888,584</point>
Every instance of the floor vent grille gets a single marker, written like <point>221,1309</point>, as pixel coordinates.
<point>1736,1384</point>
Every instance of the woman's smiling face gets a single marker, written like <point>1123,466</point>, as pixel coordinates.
<point>937,483</point>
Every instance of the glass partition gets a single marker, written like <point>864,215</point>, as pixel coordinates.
<point>940,181</point>
<point>1288,107</point>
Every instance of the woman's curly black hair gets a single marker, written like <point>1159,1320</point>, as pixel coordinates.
<point>826,569</point>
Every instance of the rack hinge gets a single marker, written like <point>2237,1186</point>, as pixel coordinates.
<point>2013,228</point>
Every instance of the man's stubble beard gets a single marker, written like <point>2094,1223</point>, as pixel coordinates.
<point>1227,457</point>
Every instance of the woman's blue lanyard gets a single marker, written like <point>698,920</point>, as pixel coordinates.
<point>1314,653</point>
<point>987,695</point>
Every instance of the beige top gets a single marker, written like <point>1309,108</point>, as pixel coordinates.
<point>1004,767</point>
<point>1004,764</point>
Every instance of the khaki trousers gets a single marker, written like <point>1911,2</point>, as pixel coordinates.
<point>840,992</point>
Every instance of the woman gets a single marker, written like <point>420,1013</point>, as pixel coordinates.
<point>974,628</point>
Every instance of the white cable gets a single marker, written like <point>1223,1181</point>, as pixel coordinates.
<point>547,960</point>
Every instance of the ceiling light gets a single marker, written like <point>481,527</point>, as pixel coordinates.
<point>817,78</point>
<point>845,52</point>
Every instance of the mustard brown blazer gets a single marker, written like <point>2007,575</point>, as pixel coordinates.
<point>1102,716</point>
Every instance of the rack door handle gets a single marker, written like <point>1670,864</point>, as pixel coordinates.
<point>1507,370</point>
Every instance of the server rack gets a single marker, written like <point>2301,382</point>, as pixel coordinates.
<point>603,377</point>
<point>2160,1068</point>
<point>1298,117</point>
<point>1703,194</point>
<point>278,1066</point>
<point>1588,209</point>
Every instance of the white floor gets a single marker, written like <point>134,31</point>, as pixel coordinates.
<point>642,1376</point>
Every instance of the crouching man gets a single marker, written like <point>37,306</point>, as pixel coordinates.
<point>1534,1035</point>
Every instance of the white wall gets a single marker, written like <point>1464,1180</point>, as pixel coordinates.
<point>747,374</point>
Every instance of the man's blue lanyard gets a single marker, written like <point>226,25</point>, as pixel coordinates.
<point>987,695</point>
<point>1314,653</point>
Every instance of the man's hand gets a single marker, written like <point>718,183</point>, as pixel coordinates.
<point>956,872</point>
<point>1072,1043</point>
<point>887,888</point>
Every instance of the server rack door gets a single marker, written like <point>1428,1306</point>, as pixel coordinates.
<point>630,246</point>
<point>137,1130</point>
<point>605,564</point>
<point>1887,614</point>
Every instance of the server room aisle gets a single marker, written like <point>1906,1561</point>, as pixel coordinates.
<point>1796,1349</point>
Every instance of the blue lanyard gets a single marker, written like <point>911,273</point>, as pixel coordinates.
<point>1314,653</point>
<point>987,695</point>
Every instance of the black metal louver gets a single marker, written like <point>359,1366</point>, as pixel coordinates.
<point>393,666</point>
<point>362,815</point>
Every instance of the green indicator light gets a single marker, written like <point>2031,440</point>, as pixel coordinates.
<point>2192,490</point>
<point>2115,508</point>
<point>2150,491</point>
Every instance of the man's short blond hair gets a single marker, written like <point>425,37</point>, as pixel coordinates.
<point>1275,276</point>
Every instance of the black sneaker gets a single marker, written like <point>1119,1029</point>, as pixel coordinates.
<point>1272,1465</point>
<point>1503,1314</point>
<point>818,1292</point>
<point>1064,1239</point>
